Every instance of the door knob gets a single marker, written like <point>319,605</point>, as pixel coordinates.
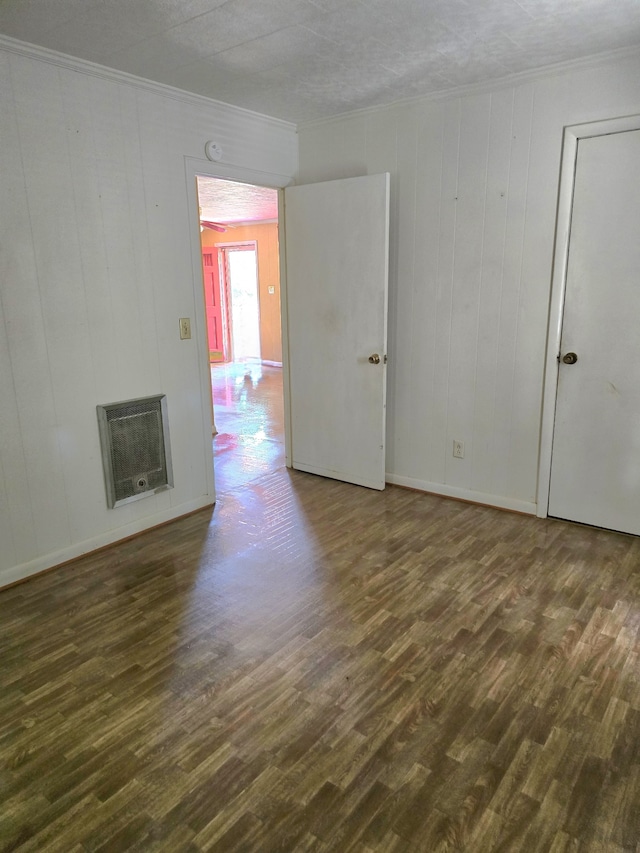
<point>570,358</point>
<point>375,358</point>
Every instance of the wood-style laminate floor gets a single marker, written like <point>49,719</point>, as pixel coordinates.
<point>313,666</point>
<point>249,415</point>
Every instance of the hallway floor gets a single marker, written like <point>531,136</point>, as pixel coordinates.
<point>249,416</point>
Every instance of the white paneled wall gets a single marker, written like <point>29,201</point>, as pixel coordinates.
<point>474,190</point>
<point>95,270</point>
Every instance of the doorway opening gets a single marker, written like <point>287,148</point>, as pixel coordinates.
<point>239,269</point>
<point>241,279</point>
<point>232,298</point>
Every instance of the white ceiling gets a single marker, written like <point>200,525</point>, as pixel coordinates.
<point>306,59</point>
<point>228,202</point>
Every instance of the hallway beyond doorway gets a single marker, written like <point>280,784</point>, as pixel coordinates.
<point>249,417</point>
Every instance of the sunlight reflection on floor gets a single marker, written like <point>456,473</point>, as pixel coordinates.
<point>249,415</point>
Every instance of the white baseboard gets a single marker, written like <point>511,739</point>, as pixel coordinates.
<point>79,549</point>
<point>498,501</point>
<point>268,363</point>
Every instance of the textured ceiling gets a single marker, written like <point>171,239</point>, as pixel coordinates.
<point>229,202</point>
<point>307,59</point>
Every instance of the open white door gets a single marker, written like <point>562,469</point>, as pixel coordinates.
<point>337,259</point>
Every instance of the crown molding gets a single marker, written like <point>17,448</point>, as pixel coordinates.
<point>481,87</point>
<point>63,60</point>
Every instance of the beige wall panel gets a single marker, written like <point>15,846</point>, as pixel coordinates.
<point>96,270</point>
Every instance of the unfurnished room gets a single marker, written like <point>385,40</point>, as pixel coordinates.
<point>319,426</point>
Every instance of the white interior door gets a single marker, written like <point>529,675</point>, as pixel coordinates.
<point>337,250</point>
<point>595,467</point>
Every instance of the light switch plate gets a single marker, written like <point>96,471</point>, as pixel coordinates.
<point>185,328</point>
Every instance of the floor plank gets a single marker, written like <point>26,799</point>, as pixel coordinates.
<point>316,666</point>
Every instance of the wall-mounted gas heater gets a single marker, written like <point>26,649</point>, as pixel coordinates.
<point>136,455</point>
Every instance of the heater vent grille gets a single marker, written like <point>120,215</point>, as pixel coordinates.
<point>135,448</point>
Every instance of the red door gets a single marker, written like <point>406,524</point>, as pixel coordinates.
<point>213,303</point>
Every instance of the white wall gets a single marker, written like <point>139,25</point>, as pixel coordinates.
<point>95,270</point>
<point>474,183</point>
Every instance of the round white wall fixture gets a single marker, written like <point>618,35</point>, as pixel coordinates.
<point>213,151</point>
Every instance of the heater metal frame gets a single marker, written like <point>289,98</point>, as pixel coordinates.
<point>106,444</point>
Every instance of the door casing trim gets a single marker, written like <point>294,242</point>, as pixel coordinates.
<point>572,135</point>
